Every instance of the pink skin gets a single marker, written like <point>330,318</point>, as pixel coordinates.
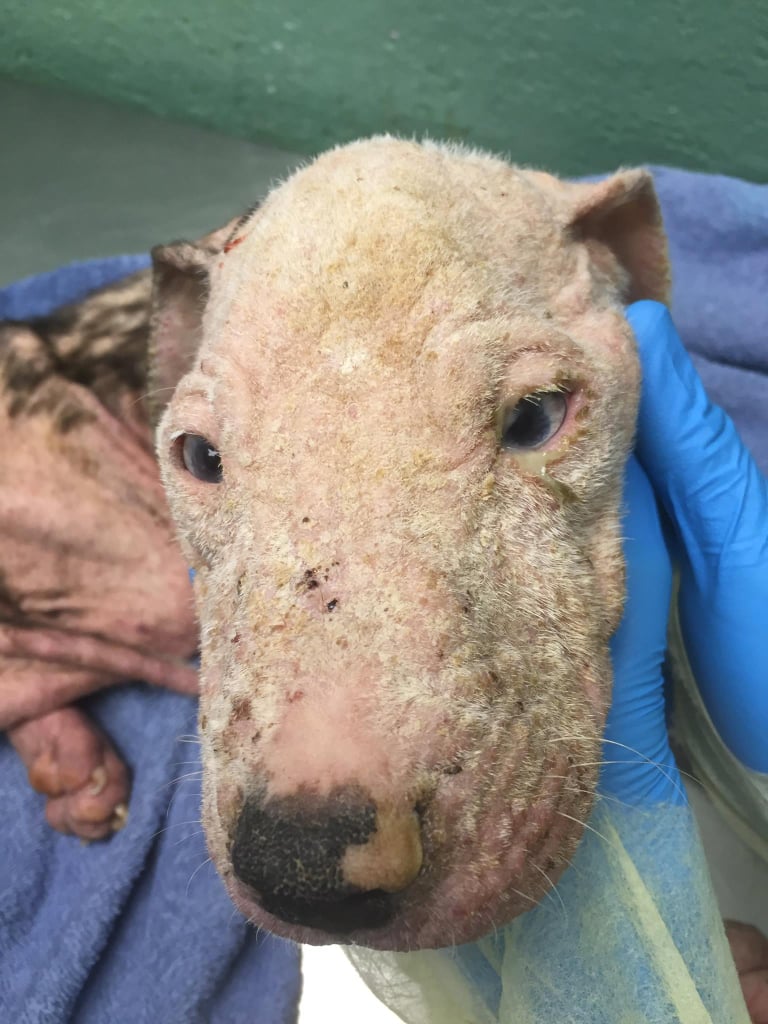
<point>750,953</point>
<point>94,592</point>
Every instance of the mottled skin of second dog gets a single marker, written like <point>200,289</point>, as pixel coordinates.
<point>364,332</point>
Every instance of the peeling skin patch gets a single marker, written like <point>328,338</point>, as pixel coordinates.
<point>422,615</point>
<point>241,709</point>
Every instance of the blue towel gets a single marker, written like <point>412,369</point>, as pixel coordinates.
<point>139,929</point>
<point>718,233</point>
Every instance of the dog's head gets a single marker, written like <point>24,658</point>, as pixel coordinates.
<point>404,394</point>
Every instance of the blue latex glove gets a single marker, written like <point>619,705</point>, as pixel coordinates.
<point>716,502</point>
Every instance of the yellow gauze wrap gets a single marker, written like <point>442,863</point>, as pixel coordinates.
<point>631,936</point>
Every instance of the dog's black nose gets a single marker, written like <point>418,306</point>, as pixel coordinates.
<point>331,863</point>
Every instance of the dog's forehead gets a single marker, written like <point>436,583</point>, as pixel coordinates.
<point>377,240</point>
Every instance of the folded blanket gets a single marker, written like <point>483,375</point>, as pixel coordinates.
<point>718,234</point>
<point>140,928</point>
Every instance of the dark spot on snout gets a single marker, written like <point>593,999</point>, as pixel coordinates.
<point>453,769</point>
<point>309,580</point>
<point>241,709</point>
<point>332,605</point>
<point>289,852</point>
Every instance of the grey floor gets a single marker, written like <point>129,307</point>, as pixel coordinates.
<point>80,179</point>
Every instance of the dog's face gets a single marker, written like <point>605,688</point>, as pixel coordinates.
<point>394,458</point>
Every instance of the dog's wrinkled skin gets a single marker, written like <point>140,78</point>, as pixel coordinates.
<point>93,589</point>
<point>404,624</point>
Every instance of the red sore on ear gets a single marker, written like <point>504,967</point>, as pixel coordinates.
<point>622,214</point>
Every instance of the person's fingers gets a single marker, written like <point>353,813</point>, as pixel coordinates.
<point>639,765</point>
<point>717,503</point>
<point>704,476</point>
<point>749,947</point>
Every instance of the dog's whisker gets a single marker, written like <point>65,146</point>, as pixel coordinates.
<point>197,774</point>
<point>584,824</point>
<point>184,839</point>
<point>177,780</point>
<point>524,895</point>
<point>208,860</point>
<point>552,892</point>
<point>174,824</point>
<point>605,761</point>
<point>663,769</point>
<point>151,394</point>
<point>176,783</point>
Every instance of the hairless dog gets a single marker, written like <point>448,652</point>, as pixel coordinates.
<point>403,392</point>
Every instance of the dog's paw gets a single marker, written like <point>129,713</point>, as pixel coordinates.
<point>73,763</point>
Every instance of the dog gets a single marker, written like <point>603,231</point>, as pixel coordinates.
<point>394,402</point>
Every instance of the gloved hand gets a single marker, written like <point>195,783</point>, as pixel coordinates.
<point>715,509</point>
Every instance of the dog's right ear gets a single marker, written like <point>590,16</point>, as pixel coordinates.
<point>180,286</point>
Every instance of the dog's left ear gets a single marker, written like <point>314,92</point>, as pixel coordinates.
<point>180,283</point>
<point>619,218</point>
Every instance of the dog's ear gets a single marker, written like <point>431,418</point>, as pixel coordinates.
<point>619,219</point>
<point>180,285</point>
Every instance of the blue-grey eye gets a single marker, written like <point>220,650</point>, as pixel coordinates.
<point>534,420</point>
<point>201,459</point>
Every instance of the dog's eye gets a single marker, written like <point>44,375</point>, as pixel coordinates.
<point>201,459</point>
<point>533,421</point>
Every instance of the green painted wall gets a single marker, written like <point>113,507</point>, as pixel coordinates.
<point>572,86</point>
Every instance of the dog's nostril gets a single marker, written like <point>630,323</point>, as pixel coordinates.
<point>332,863</point>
